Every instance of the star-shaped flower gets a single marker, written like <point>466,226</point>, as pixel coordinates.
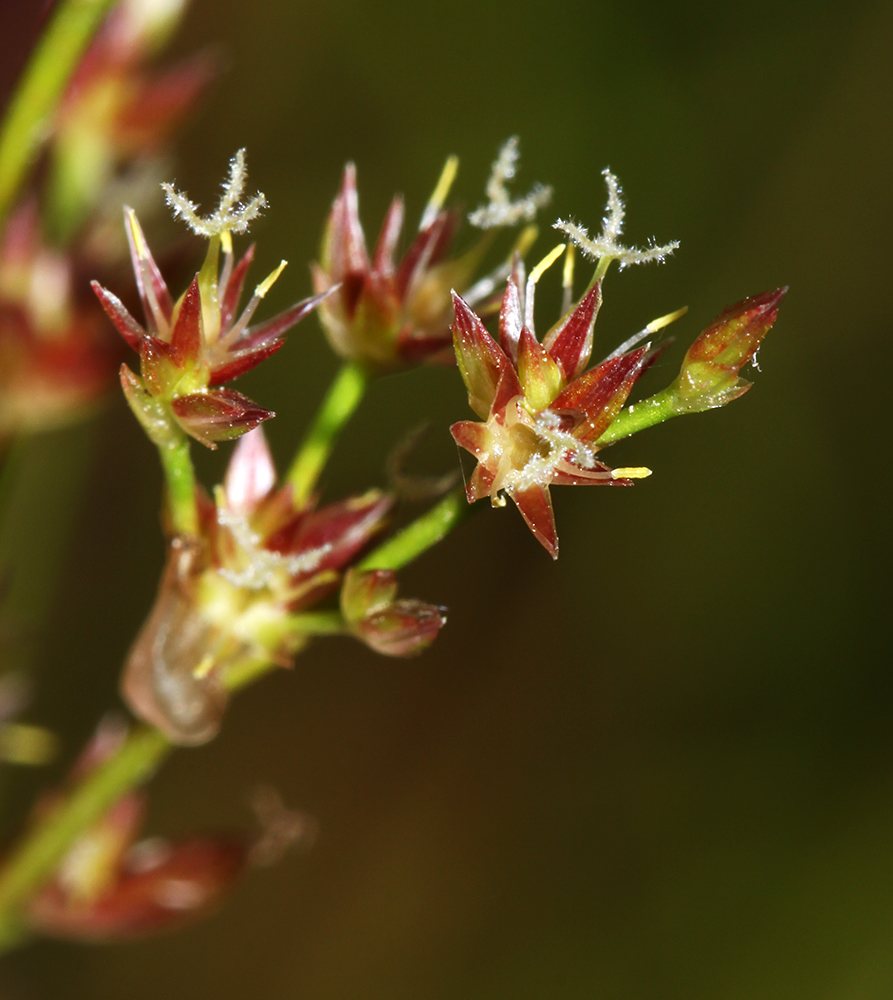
<point>190,347</point>
<point>543,413</point>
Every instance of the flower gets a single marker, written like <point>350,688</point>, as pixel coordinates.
<point>239,595</point>
<point>543,414</point>
<point>108,887</point>
<point>190,347</point>
<point>55,359</point>
<point>389,314</point>
<point>115,112</point>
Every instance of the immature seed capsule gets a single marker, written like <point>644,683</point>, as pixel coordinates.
<point>164,682</point>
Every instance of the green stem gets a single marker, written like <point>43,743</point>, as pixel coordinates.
<point>29,865</point>
<point>341,400</point>
<point>418,536</point>
<point>29,116</point>
<point>180,477</point>
<point>318,622</point>
<point>654,410</point>
<point>43,478</point>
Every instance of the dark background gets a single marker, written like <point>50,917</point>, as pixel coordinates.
<point>663,766</point>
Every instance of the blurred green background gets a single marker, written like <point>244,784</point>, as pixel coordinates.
<point>662,767</point>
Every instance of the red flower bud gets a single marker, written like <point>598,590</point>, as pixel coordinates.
<point>709,373</point>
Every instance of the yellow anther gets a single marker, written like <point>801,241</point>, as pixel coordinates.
<point>141,249</point>
<point>270,280</point>
<point>567,277</point>
<point>204,667</point>
<point>662,321</point>
<point>23,744</point>
<point>546,263</point>
<point>441,190</point>
<point>226,241</point>
<point>526,239</point>
<point>634,472</point>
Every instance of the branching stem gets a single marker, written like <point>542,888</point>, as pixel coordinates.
<point>654,410</point>
<point>418,536</point>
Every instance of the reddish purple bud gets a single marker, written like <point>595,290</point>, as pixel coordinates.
<point>709,373</point>
<point>160,886</point>
<point>391,627</point>
<point>404,628</point>
<point>218,415</point>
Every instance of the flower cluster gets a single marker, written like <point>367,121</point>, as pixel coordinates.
<point>238,596</point>
<point>545,417</point>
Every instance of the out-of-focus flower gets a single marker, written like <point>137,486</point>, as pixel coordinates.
<point>543,414</point>
<point>390,626</point>
<point>190,347</point>
<point>238,596</point>
<point>110,888</point>
<point>388,313</point>
<point>115,110</point>
<point>55,358</point>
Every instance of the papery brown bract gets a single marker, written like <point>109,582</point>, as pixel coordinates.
<point>227,598</point>
<point>162,683</point>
